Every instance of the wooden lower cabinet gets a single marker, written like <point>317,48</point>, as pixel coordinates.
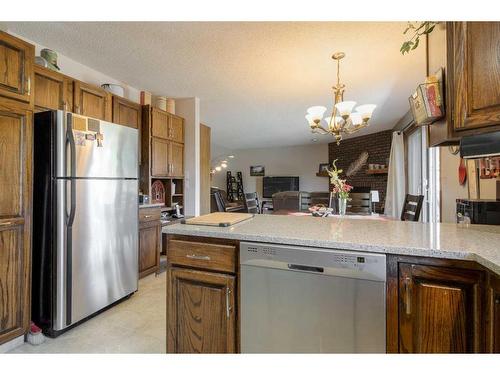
<point>435,306</point>
<point>149,248</point>
<point>493,315</point>
<point>200,312</point>
<point>439,309</point>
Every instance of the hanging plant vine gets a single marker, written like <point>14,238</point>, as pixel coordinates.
<point>417,29</point>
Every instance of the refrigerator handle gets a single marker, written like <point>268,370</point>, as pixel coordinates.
<point>72,173</point>
<point>70,140</point>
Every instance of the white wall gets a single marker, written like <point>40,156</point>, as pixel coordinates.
<point>450,188</point>
<point>189,108</point>
<point>302,161</point>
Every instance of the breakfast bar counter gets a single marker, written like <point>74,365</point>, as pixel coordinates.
<point>479,243</point>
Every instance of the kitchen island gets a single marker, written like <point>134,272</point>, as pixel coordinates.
<point>442,287</point>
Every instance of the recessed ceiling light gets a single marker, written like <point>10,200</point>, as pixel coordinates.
<point>314,140</point>
<point>230,156</point>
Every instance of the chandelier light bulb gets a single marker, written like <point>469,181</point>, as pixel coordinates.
<point>345,108</point>
<point>366,111</point>
<point>356,118</point>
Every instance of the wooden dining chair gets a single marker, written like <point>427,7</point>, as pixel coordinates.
<point>412,207</point>
<point>360,203</point>
<point>252,203</point>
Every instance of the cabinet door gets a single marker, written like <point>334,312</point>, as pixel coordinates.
<point>15,211</point>
<point>50,89</point>
<point>493,316</point>
<point>92,101</point>
<point>176,132</point>
<point>126,112</point>
<point>176,159</point>
<point>476,47</point>
<point>159,157</point>
<point>149,248</point>
<point>159,123</point>
<point>200,312</point>
<point>439,309</point>
<point>16,68</point>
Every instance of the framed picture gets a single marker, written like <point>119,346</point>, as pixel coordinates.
<point>323,167</point>
<point>257,170</point>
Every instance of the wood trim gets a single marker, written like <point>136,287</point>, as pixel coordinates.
<point>392,306</point>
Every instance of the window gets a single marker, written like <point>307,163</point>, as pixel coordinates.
<point>422,176</point>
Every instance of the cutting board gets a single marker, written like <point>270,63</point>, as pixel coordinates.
<point>219,219</point>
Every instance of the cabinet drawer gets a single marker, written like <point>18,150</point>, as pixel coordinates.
<point>202,255</point>
<point>149,214</point>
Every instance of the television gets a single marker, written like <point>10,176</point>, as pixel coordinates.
<point>276,184</point>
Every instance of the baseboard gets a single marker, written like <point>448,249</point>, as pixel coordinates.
<point>12,344</point>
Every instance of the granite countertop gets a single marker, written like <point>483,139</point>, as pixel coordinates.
<point>480,243</point>
<point>151,205</point>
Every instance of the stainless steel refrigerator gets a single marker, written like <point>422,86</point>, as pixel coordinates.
<point>85,218</point>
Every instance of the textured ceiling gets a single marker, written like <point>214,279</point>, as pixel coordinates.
<point>254,80</point>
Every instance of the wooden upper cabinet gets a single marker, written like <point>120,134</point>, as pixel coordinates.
<point>476,47</point>
<point>16,68</point>
<point>50,90</point>
<point>126,112</point>
<point>439,309</point>
<point>167,126</point>
<point>200,312</point>
<point>176,129</point>
<point>16,127</point>
<point>91,101</point>
<point>159,157</point>
<point>159,123</point>
<point>15,161</point>
<point>176,159</point>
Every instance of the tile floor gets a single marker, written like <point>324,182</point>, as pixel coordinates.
<point>137,325</point>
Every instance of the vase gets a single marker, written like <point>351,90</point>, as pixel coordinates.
<point>342,206</point>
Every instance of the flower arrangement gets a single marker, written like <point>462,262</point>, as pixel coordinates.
<point>340,187</point>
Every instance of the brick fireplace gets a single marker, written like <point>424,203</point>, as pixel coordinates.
<point>378,146</point>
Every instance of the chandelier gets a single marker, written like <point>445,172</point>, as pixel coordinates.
<point>343,120</point>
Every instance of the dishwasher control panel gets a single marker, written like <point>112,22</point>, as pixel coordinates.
<point>332,262</point>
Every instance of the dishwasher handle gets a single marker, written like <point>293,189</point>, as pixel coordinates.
<point>299,267</point>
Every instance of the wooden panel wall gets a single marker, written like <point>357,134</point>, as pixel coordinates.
<point>205,133</point>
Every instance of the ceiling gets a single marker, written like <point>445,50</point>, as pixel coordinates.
<point>255,80</point>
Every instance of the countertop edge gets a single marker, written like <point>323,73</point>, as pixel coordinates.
<point>198,231</point>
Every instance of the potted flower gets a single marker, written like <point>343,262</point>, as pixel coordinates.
<point>340,187</point>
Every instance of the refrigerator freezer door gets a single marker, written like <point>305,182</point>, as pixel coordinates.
<point>117,158</point>
<point>103,244</point>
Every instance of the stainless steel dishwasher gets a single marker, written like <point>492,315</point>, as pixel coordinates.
<point>310,300</point>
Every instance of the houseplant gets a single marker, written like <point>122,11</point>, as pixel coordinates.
<point>340,187</point>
